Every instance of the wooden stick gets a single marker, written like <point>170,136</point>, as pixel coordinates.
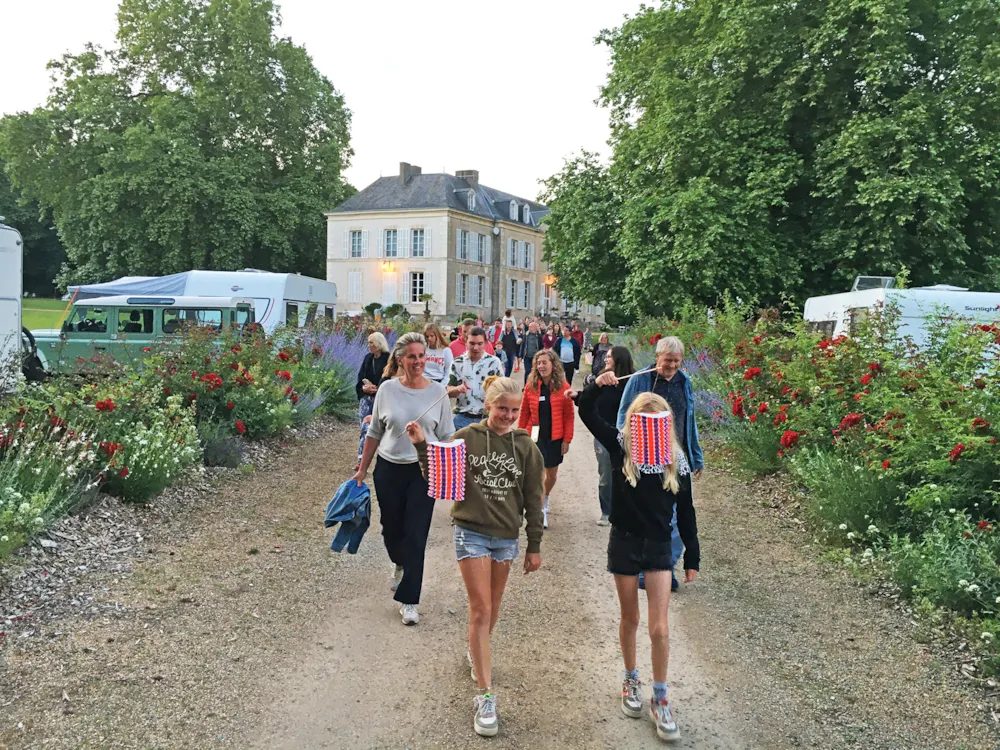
<point>424,413</point>
<point>638,372</point>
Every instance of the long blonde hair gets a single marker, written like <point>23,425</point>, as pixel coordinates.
<point>558,374</point>
<point>393,365</point>
<point>496,386</point>
<point>649,403</point>
<point>438,336</point>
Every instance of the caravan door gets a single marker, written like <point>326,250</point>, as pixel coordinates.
<point>10,307</point>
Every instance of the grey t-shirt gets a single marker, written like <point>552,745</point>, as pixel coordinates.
<point>395,406</point>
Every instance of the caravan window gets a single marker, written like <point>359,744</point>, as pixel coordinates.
<point>135,321</point>
<point>87,320</point>
<point>311,313</point>
<point>291,314</point>
<point>243,316</point>
<point>328,312</point>
<point>177,319</point>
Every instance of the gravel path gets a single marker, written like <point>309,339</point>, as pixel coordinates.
<point>240,629</point>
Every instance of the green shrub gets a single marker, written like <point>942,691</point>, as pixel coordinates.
<point>756,446</point>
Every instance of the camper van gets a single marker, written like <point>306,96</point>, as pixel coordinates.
<point>919,307</point>
<point>10,307</point>
<point>279,298</point>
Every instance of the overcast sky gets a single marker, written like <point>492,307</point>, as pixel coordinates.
<point>507,88</point>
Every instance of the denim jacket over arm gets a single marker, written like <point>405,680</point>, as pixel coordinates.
<point>351,508</point>
<point>643,383</point>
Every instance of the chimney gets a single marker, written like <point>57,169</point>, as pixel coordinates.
<point>406,171</point>
<point>471,177</point>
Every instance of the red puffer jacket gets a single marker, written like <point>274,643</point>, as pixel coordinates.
<point>562,413</point>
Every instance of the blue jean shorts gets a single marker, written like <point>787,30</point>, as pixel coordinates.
<point>470,544</point>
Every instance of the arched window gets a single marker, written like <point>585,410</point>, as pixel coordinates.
<point>527,214</point>
<point>472,200</point>
<point>513,210</point>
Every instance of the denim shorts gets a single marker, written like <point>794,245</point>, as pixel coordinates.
<point>630,554</point>
<point>469,544</point>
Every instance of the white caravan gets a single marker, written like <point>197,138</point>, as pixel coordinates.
<point>279,298</point>
<point>919,307</point>
<point>11,261</point>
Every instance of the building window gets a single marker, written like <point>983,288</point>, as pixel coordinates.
<point>481,248</point>
<point>472,200</point>
<point>512,293</point>
<point>391,243</point>
<point>526,295</point>
<point>356,246</point>
<point>527,214</point>
<point>462,289</point>
<point>463,245</point>
<point>416,286</point>
<point>524,255</point>
<point>417,243</point>
<point>513,210</point>
<point>354,286</point>
<point>480,291</point>
<point>511,252</point>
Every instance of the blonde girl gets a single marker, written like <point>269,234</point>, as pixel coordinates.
<point>503,489</point>
<point>438,359</point>
<point>642,505</point>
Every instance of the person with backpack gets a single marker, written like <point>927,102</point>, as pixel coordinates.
<point>643,500</point>
<point>503,489</point>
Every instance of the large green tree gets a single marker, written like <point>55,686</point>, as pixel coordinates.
<point>774,148</point>
<point>202,140</point>
<point>581,238</point>
<point>43,253</point>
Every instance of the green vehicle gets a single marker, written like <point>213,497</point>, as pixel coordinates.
<point>121,327</point>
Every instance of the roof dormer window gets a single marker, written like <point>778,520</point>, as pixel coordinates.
<point>527,214</point>
<point>472,200</point>
<point>513,210</point>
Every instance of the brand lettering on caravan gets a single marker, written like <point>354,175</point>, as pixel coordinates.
<point>971,308</point>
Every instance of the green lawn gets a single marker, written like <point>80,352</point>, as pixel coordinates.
<point>41,313</point>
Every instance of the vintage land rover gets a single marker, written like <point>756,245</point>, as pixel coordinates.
<point>121,327</point>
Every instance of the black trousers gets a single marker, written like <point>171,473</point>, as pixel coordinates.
<point>570,371</point>
<point>406,511</point>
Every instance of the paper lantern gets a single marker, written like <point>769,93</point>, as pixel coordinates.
<point>651,439</point>
<point>446,470</point>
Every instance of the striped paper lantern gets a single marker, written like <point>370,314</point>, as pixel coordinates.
<point>446,470</point>
<point>651,439</point>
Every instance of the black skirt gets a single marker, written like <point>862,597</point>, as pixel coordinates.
<point>551,451</point>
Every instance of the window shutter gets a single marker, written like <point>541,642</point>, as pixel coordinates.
<point>427,242</point>
<point>488,240</point>
<point>381,243</point>
<point>458,243</point>
<point>531,255</point>
<point>347,244</point>
<point>458,289</point>
<point>364,243</point>
<point>428,284</point>
<point>488,284</point>
<point>404,243</point>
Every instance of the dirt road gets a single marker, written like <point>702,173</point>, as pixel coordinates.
<point>243,630</point>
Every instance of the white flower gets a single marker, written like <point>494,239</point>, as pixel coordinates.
<point>951,510</point>
<point>872,529</point>
<point>868,553</point>
<point>843,527</point>
<point>850,535</point>
<point>6,538</point>
<point>987,636</point>
<point>24,508</point>
<point>963,583</point>
<point>973,588</point>
<point>998,600</point>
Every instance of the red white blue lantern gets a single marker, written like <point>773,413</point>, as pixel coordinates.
<point>651,439</point>
<point>446,470</point>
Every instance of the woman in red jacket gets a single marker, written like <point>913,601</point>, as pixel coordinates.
<point>546,406</point>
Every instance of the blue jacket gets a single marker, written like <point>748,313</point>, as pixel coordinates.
<point>351,507</point>
<point>643,383</point>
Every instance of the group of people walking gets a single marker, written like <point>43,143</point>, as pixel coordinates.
<point>515,440</point>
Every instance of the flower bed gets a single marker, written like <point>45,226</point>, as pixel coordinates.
<point>135,428</point>
<point>896,446</point>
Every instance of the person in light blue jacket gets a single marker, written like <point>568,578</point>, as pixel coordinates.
<point>667,380</point>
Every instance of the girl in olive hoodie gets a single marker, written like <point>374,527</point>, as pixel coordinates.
<point>503,488</point>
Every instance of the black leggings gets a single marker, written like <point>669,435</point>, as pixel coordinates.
<point>406,511</point>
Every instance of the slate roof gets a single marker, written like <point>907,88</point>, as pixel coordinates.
<point>437,191</point>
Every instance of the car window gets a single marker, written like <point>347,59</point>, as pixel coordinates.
<point>86,320</point>
<point>244,315</point>
<point>135,321</point>
<point>176,319</point>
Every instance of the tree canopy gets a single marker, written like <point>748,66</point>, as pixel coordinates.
<point>781,148</point>
<point>202,140</point>
<point>43,253</point>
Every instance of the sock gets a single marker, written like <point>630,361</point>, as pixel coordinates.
<point>659,691</point>
<point>633,675</point>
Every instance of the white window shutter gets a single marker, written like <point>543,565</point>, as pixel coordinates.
<point>531,255</point>
<point>488,284</point>
<point>347,244</point>
<point>488,239</point>
<point>364,243</point>
<point>427,242</point>
<point>404,243</point>
<point>428,283</point>
<point>381,243</point>
<point>458,243</point>
<point>458,289</point>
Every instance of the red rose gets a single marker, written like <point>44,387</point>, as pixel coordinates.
<point>166,391</point>
<point>875,367</point>
<point>753,417</point>
<point>284,356</point>
<point>240,427</point>
<point>317,351</point>
<point>751,373</point>
<point>738,407</point>
<point>955,452</point>
<point>866,378</point>
<point>146,349</point>
<point>980,424</point>
<point>886,464</point>
<point>758,339</point>
<point>762,407</point>
<point>789,439</point>
<point>984,526</point>
<point>230,405</point>
<point>850,420</point>
<point>123,473</point>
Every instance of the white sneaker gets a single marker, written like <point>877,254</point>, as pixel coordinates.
<point>631,698</point>
<point>409,614</point>
<point>486,723</point>
<point>397,576</point>
<point>603,520</point>
<point>666,727</point>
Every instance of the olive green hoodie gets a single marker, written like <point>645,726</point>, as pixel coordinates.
<point>503,483</point>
